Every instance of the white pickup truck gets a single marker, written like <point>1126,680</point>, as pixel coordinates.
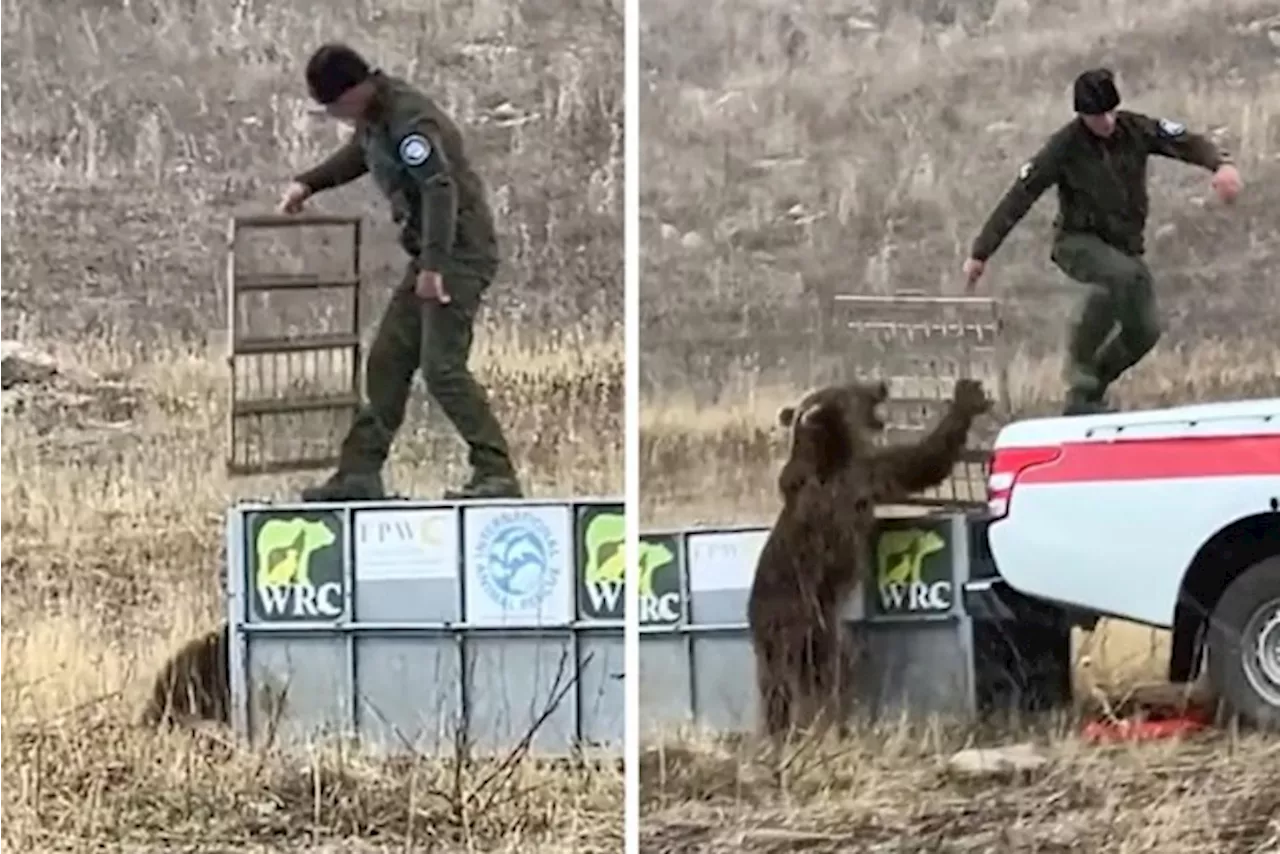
<point>1167,517</point>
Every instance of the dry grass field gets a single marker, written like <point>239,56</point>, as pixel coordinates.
<point>132,131</point>
<point>796,151</point>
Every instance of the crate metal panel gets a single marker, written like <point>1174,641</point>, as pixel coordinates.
<point>413,625</point>
<point>912,629</point>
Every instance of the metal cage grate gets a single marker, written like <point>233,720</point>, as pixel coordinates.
<point>920,345</point>
<point>294,361</point>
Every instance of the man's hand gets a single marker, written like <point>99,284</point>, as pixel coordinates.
<point>294,195</point>
<point>431,286</point>
<point>973,269</point>
<point>1226,183</point>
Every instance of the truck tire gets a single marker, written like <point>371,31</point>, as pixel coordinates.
<point>1244,645</point>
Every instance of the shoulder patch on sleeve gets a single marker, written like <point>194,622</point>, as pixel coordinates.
<point>1168,127</point>
<point>1025,171</point>
<point>415,149</point>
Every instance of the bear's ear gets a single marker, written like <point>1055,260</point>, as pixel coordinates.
<point>786,415</point>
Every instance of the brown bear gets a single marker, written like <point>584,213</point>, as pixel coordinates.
<point>194,684</point>
<point>817,551</point>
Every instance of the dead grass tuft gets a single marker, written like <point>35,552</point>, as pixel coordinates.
<point>172,790</point>
<point>889,788</point>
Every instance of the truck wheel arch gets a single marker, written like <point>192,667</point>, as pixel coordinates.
<point>1217,563</point>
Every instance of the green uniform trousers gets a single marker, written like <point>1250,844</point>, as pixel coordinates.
<point>416,333</point>
<point>1117,322</point>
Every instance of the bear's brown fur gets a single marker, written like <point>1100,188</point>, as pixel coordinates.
<point>815,555</point>
<point>194,684</point>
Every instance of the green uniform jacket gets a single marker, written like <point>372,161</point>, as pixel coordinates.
<point>1102,183</point>
<point>416,156</point>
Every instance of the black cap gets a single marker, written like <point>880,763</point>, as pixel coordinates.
<point>1095,92</point>
<point>333,69</point>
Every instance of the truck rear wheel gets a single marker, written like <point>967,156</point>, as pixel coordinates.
<point>1244,645</point>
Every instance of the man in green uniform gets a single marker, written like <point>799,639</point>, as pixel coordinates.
<point>1098,161</point>
<point>415,154</point>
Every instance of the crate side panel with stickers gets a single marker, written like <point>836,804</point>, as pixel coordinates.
<point>909,629</point>
<point>666,691</point>
<point>295,591</point>
<point>412,625</point>
<point>927,647</point>
<point>913,645</point>
<point>407,665</point>
<point>721,566</point>
<point>519,661</point>
<point>600,589</point>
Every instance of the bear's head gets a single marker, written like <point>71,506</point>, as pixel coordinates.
<point>835,424</point>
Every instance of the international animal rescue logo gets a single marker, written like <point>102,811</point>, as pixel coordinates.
<point>296,566</point>
<point>519,561</point>
<point>913,572</point>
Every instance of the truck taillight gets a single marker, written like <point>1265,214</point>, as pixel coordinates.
<point>1006,465</point>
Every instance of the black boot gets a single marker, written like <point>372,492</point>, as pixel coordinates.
<point>1080,403</point>
<point>486,486</point>
<point>347,487</point>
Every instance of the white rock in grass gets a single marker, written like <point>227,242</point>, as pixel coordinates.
<point>983,761</point>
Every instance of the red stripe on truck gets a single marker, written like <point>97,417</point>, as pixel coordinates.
<point>1154,459</point>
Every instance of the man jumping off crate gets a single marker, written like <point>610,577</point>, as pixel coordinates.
<point>415,154</point>
<point>1099,163</point>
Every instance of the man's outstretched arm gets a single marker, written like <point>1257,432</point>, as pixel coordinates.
<point>1168,138</point>
<point>1036,175</point>
<point>1172,139</point>
<point>343,166</point>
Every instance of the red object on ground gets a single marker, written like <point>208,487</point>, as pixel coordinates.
<point>1145,730</point>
